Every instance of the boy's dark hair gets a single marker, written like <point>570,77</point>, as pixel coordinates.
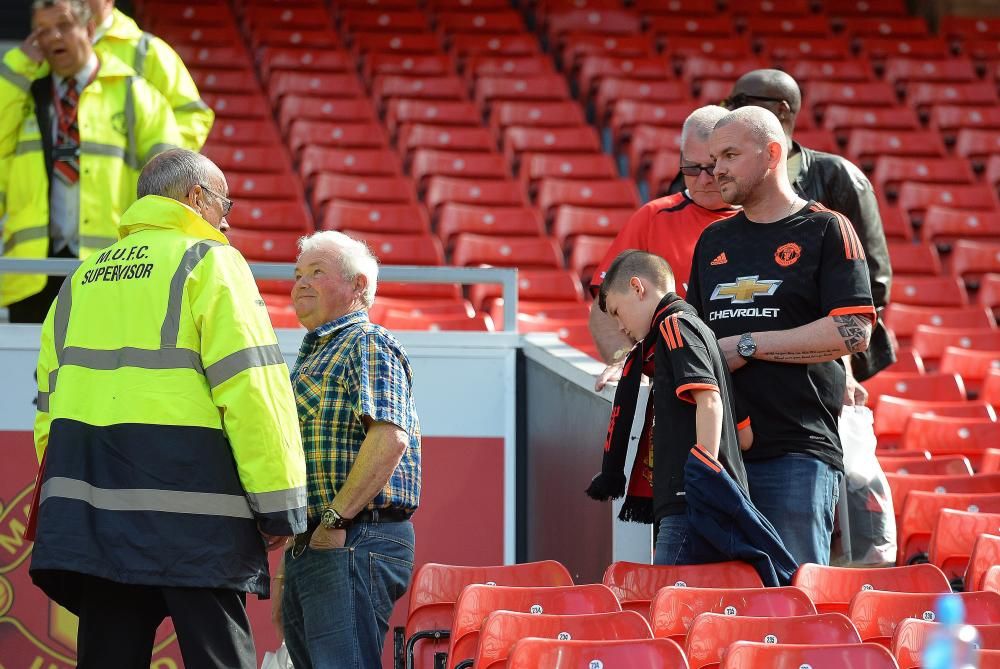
<point>633,262</point>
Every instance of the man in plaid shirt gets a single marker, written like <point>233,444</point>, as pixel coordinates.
<point>353,386</point>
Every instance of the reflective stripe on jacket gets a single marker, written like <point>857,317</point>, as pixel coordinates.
<point>123,122</point>
<point>160,65</point>
<point>165,415</point>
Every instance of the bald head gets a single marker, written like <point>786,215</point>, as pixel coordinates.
<point>773,90</point>
<point>761,126</point>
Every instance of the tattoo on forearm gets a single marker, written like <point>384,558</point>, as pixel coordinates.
<point>854,329</point>
<point>797,356</point>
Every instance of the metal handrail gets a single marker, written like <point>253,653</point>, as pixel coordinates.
<point>505,276</point>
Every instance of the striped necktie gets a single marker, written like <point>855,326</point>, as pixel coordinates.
<point>67,150</point>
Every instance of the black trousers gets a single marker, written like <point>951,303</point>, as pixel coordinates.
<point>34,308</point>
<point>118,625</point>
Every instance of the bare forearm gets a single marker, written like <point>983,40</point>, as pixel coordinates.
<point>708,419</point>
<point>822,340</point>
<point>377,459</point>
<point>607,336</point>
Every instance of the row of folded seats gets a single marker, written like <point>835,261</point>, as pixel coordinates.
<point>465,145</point>
<point>696,616</point>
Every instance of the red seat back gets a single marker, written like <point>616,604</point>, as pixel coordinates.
<point>754,655</point>
<point>953,537</point>
<point>556,654</point>
<point>876,614</point>
<point>911,636</point>
<point>831,588</point>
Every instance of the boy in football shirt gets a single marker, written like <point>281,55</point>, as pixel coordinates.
<point>692,398</point>
<point>784,286</point>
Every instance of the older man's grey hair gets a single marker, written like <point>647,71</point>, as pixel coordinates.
<point>174,173</point>
<point>762,126</point>
<point>353,256</point>
<point>700,123</point>
<point>79,8</point>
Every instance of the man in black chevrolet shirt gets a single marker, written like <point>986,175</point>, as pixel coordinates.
<point>784,285</point>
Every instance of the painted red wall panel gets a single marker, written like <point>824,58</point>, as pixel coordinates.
<point>460,521</point>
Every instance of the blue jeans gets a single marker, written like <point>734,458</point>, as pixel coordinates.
<point>798,494</point>
<point>672,541</point>
<point>336,603</point>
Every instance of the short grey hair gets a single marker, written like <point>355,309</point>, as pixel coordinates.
<point>762,126</point>
<point>700,123</point>
<point>174,173</point>
<point>79,8</point>
<point>353,256</point>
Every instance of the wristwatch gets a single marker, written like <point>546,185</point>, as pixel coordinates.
<point>746,346</point>
<point>332,520</point>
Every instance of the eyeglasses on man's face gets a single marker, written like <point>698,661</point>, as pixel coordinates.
<point>738,100</point>
<point>695,170</point>
<point>227,204</point>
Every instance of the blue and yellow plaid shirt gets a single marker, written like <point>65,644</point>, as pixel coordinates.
<point>347,369</point>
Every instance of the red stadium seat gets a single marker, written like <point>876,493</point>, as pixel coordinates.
<point>361,189</point>
<point>636,584</point>
<point>753,8</point>
<point>236,106</point>
<point>224,81</point>
<point>985,554</point>
<point>421,65</point>
<point>926,94</point>
<point>698,68</point>
<point>907,360</point>
<point>911,635</point>
<point>973,365</point>
<point>865,145</point>
<point>430,112</point>
<point>541,88</point>
<point>648,141</point>
<point>807,26</point>
<point>314,84</point>
<point>939,465</point>
<point>685,46</point>
<point>479,192</point>
<point>435,589</point>
<point>256,158</point>
<point>949,119</point>
<point>495,45</point>
<point>841,119</point>
<point>502,629</point>
<point>402,248</point>
<point>953,537</point>
<point>265,245</point>
<point>577,45</point>
<point>910,258</point>
<point>536,114</point>
<point>456,218</point>
<point>950,436</point>
<point>427,163</point>
<point>989,291</point>
<point>808,71</point>
<point>597,166</point>
<point>222,34</point>
<point>244,132</point>
<point>509,66</point>
<point>991,581</point>
<point>365,135</point>
<point>752,655</point>
<point>944,225</point>
<point>663,169</point>
<point>281,37</point>
<point>901,71</point>
<point>891,413</point>
<point>379,20</point>
<point>902,484</point>
<point>581,139</point>
<point>395,320</point>
<point>345,110</point>
<point>969,27</point>
<point>290,215</point>
<point>555,654</point>
<point>878,48</point>
<point>711,633</point>
<point>674,609</point>
<point>596,68</point>
<point>478,601</point>
<point>275,59</point>
<point>602,194</point>
<point>522,252</point>
<point>258,16</point>
<point>543,286</point>
<point>586,253</point>
<point>977,145</point>
<point>357,162</point>
<point>868,94</point>
<point>400,43</point>
<point>876,614</point>
<point>606,22</point>
<point>244,185</point>
<point>719,25</point>
<point>918,514</point>
<point>915,386</point>
<point>831,588</point>
<point>398,86</point>
<point>892,170</point>
<point>446,138</point>
<point>220,57</point>
<point>931,341</point>
<point>873,26</point>
<point>990,463</point>
<point>662,92</point>
<point>626,114</point>
<point>930,291</point>
<point>903,319</point>
<point>490,22</point>
<point>895,223</point>
<point>792,48</point>
<point>376,217</point>
<point>570,221</point>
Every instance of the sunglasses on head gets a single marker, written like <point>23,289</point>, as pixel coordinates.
<point>743,99</point>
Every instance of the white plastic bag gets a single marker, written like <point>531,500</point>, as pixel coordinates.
<point>864,513</point>
<point>278,659</point>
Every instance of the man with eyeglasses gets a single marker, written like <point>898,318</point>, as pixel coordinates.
<point>171,457</point>
<point>74,135</point>
<point>839,185</point>
<point>668,227</point>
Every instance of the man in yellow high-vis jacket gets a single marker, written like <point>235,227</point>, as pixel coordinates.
<point>155,60</point>
<point>71,147</point>
<point>167,431</point>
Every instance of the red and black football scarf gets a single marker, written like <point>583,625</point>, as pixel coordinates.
<point>611,483</point>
